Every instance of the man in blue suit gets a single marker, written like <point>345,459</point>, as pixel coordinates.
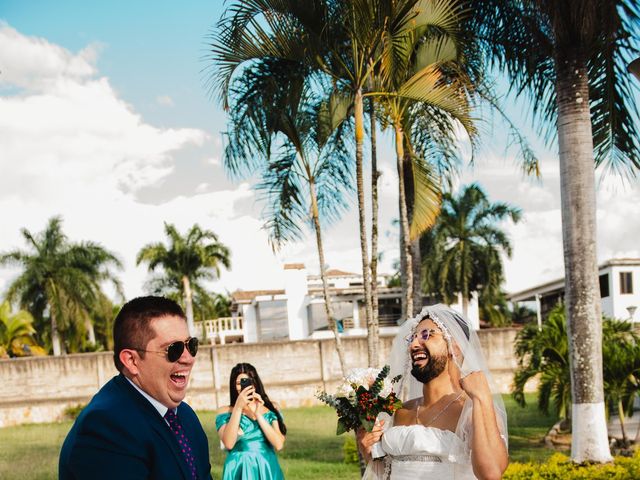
<point>137,426</point>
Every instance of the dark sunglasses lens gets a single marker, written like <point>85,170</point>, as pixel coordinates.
<point>174,351</point>
<point>192,346</point>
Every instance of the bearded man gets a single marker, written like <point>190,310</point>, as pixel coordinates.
<point>453,427</point>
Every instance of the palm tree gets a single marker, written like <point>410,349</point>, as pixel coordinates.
<point>186,261</point>
<point>60,279</point>
<point>17,335</point>
<point>571,57</point>
<point>310,173</point>
<point>621,361</point>
<point>545,352</point>
<point>340,40</point>
<point>464,248</point>
<point>418,56</point>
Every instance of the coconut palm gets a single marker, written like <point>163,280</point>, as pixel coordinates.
<point>420,55</point>
<point>61,280</point>
<point>185,262</point>
<point>464,248</point>
<point>17,335</point>
<point>570,57</point>
<point>344,41</point>
<point>304,163</point>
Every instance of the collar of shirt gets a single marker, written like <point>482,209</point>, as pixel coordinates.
<point>162,409</point>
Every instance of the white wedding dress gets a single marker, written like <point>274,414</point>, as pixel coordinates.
<point>417,452</point>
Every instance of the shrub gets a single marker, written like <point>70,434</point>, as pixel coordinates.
<point>72,411</point>
<point>560,467</point>
<point>350,450</point>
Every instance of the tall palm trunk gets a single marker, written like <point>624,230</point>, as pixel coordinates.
<point>91,334</point>
<point>55,335</point>
<point>578,202</point>
<point>414,247</point>
<point>372,337</point>
<point>405,251</point>
<point>328,308</point>
<point>374,220</point>
<point>188,303</point>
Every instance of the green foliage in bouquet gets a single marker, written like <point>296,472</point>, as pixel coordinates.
<point>360,409</point>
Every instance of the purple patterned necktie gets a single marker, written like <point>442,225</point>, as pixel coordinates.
<point>183,441</point>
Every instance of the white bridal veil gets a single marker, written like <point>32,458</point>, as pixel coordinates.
<point>456,330</point>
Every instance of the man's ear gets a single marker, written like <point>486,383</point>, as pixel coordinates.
<point>130,359</point>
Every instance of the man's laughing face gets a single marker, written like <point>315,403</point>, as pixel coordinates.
<point>428,350</point>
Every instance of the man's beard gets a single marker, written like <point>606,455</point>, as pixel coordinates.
<point>434,367</point>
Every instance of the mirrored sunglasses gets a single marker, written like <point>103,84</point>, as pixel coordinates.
<point>424,334</point>
<point>175,350</point>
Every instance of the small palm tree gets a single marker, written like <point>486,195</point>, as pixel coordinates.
<point>17,335</point>
<point>62,280</point>
<point>621,363</point>
<point>185,262</point>
<point>545,352</point>
<point>462,253</point>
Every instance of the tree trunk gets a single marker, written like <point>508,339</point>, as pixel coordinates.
<point>328,308</point>
<point>622,429</point>
<point>405,250</point>
<point>55,335</point>
<point>414,247</point>
<point>188,302</point>
<point>372,337</point>
<point>578,205</point>
<point>90,331</point>
<point>375,324</point>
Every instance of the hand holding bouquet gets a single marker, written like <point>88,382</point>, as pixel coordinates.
<point>363,394</point>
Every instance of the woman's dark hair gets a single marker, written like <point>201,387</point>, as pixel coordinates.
<point>252,373</point>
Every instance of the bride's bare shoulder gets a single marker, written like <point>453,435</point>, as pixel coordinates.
<point>407,414</point>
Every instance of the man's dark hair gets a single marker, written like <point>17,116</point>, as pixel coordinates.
<point>132,326</point>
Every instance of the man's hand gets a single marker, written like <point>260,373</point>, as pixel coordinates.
<point>476,386</point>
<point>367,439</point>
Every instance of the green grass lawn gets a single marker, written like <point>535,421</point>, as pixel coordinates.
<point>312,450</point>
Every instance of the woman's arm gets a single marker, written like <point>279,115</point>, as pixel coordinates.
<point>271,430</point>
<point>489,456</point>
<point>229,432</point>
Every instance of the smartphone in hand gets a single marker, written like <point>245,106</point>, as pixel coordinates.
<point>245,383</point>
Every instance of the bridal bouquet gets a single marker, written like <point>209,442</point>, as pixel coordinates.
<point>363,394</point>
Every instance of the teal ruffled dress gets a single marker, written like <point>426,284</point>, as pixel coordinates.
<point>252,457</point>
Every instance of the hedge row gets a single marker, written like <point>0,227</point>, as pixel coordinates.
<point>560,467</point>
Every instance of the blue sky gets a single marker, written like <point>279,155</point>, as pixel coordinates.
<point>105,120</point>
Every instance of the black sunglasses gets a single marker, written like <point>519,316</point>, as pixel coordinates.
<point>175,350</point>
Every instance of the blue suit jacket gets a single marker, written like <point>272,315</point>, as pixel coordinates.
<point>121,435</point>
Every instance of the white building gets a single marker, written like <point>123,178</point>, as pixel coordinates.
<point>619,292</point>
<point>297,311</point>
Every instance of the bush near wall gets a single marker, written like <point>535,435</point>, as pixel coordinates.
<point>560,467</point>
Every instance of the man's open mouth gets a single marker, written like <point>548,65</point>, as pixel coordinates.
<point>419,356</point>
<point>180,379</point>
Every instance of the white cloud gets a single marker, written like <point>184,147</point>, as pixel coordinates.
<point>215,161</point>
<point>165,100</point>
<point>34,63</point>
<point>71,147</point>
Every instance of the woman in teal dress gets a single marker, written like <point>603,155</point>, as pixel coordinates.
<point>250,428</point>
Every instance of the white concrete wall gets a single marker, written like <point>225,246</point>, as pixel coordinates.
<point>620,302</point>
<point>295,287</point>
<point>39,389</point>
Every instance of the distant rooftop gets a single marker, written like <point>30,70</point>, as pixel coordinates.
<point>558,283</point>
<point>248,295</point>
